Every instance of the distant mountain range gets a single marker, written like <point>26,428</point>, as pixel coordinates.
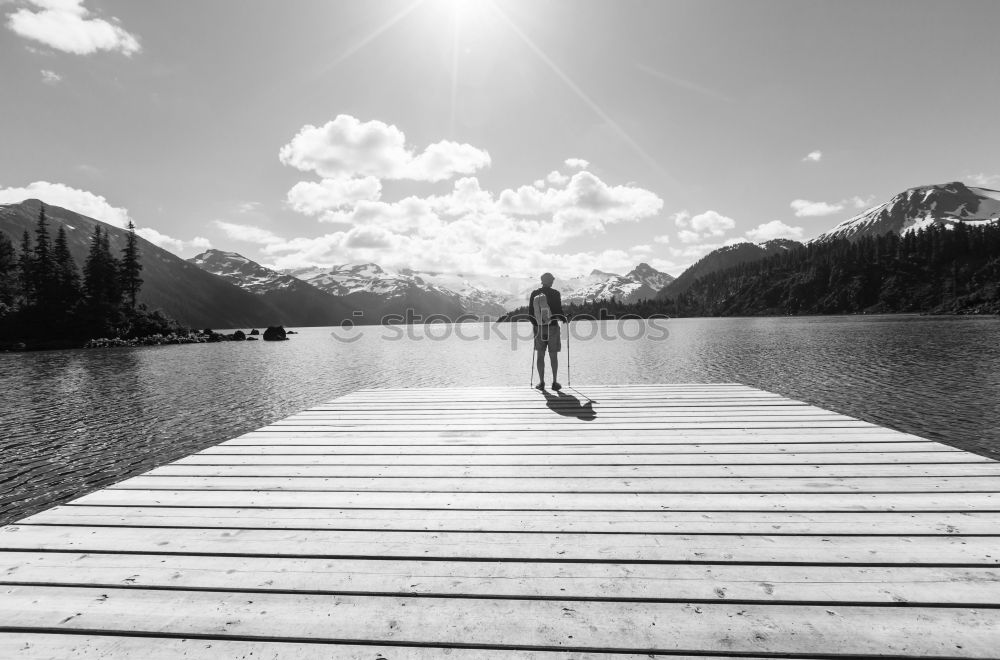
<point>916,208</point>
<point>225,289</point>
<point>376,292</point>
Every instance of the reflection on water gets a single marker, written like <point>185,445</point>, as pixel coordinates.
<point>74,421</point>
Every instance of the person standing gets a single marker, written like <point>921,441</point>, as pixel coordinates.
<point>545,311</point>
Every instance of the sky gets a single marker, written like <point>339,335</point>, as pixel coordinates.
<point>491,136</point>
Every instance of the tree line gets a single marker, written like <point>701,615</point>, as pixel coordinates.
<point>43,296</point>
<point>933,270</point>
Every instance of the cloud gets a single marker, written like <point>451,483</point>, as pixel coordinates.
<point>642,249</point>
<point>662,238</point>
<point>468,229</point>
<point>172,244</point>
<point>711,223</point>
<point>557,178</point>
<point>65,25</point>
<point>313,198</point>
<point>577,163</point>
<point>51,77</point>
<point>681,218</point>
<point>248,233</point>
<point>805,209</point>
<point>58,194</point>
<point>861,202</point>
<point>774,229</point>
<point>349,148</point>
<point>247,207</point>
<point>984,180</point>
<point>813,157</point>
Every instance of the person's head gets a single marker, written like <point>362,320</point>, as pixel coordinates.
<point>548,279</point>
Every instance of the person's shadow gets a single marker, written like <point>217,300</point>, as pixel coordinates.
<point>568,405</point>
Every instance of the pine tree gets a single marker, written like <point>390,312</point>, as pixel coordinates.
<point>102,294</point>
<point>67,280</point>
<point>25,271</point>
<point>130,268</point>
<point>43,272</point>
<point>8,274</point>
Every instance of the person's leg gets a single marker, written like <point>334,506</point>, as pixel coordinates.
<point>541,363</point>
<point>554,359</point>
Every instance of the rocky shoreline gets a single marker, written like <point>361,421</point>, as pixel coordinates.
<point>206,336</point>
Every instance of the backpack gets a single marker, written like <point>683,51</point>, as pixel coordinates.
<point>540,305</point>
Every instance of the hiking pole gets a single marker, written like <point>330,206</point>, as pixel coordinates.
<point>569,373</point>
<point>531,375</point>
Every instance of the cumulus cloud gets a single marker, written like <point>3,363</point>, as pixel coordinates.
<point>313,198</point>
<point>681,218</point>
<point>51,77</point>
<point>58,194</point>
<point>67,25</point>
<point>688,236</point>
<point>347,148</point>
<point>805,209</point>
<point>247,207</point>
<point>861,202</point>
<point>557,178</point>
<point>774,229</point>
<point>711,223</point>
<point>662,238</point>
<point>172,244</point>
<point>467,229</point>
<point>984,180</point>
<point>813,157</point>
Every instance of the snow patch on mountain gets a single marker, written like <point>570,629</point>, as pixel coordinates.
<point>919,208</point>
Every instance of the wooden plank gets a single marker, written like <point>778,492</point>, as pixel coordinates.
<point>578,471</point>
<point>759,583</point>
<point>645,522</point>
<point>55,646</point>
<point>650,627</point>
<point>934,550</point>
<point>549,501</point>
<point>724,450</point>
<point>790,485</point>
<point>731,459</point>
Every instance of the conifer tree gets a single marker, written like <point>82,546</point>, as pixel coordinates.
<point>102,295</point>
<point>8,273</point>
<point>25,271</point>
<point>130,268</point>
<point>43,273</point>
<point>67,280</point>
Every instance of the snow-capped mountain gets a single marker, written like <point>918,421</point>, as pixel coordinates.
<point>297,302</point>
<point>243,272</point>
<point>916,208</point>
<point>376,292</point>
<point>649,276</point>
<point>726,257</point>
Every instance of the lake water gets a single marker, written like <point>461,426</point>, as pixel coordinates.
<point>75,421</point>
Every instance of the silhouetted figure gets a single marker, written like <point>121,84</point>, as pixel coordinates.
<point>545,311</point>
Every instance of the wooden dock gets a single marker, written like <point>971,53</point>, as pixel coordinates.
<point>709,521</point>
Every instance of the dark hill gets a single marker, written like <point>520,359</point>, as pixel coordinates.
<point>182,290</point>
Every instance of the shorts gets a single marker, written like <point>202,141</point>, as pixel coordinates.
<point>548,335</point>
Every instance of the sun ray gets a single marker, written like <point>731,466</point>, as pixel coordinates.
<point>455,46</point>
<point>576,89</point>
<point>376,33</point>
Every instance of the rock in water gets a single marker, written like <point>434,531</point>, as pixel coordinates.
<point>274,333</point>
<point>255,331</point>
<point>239,335</point>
